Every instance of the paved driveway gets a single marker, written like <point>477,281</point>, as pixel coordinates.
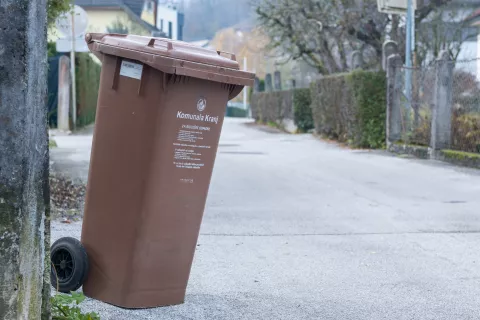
<point>296,228</point>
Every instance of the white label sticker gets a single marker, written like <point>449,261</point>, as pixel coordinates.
<point>131,70</point>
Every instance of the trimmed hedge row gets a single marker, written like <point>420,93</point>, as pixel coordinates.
<point>350,108</point>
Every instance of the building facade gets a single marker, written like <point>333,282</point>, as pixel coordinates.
<point>165,17</point>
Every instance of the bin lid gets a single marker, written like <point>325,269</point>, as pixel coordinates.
<point>170,56</point>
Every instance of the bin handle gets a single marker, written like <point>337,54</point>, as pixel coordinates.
<point>151,43</point>
<point>232,55</point>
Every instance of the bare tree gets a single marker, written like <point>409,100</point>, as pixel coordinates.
<point>123,26</point>
<point>324,32</point>
<point>203,18</point>
<point>444,28</point>
<point>118,26</point>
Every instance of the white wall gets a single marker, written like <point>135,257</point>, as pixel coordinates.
<point>466,59</point>
<point>167,15</point>
<point>478,57</point>
<point>468,50</point>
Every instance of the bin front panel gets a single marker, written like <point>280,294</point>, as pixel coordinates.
<point>181,168</point>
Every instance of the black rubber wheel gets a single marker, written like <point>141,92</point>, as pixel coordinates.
<point>69,267</point>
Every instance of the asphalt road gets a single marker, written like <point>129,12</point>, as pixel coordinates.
<point>298,228</point>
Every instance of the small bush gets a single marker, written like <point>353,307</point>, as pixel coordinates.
<point>466,132</point>
<point>273,124</point>
<point>466,91</point>
<point>302,111</point>
<point>52,143</point>
<point>422,131</point>
<point>65,307</point>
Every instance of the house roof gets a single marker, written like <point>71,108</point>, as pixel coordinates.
<point>473,5</point>
<point>474,16</point>
<point>463,3</point>
<point>135,6</point>
<point>98,3</point>
<point>132,7</point>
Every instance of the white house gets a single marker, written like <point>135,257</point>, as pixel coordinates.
<point>471,48</point>
<point>166,17</point>
<point>456,29</point>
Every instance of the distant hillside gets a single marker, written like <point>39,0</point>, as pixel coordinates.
<point>203,18</point>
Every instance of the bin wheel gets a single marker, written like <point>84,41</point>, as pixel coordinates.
<point>69,267</point>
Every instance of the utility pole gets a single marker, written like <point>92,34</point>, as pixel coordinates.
<point>245,89</point>
<point>24,188</point>
<point>410,30</point>
<point>72,66</point>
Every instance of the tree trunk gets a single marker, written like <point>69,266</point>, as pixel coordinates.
<point>24,197</point>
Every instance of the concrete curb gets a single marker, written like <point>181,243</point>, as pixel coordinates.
<point>458,158</point>
<point>416,151</point>
<point>464,159</point>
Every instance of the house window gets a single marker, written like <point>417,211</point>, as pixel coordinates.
<point>180,33</point>
<point>161,24</point>
<point>170,29</point>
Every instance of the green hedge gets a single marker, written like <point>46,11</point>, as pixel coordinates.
<point>351,108</point>
<point>348,107</point>
<point>87,82</point>
<point>302,111</point>
<point>369,94</point>
<point>236,112</point>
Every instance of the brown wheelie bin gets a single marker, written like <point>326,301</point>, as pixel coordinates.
<point>159,116</point>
